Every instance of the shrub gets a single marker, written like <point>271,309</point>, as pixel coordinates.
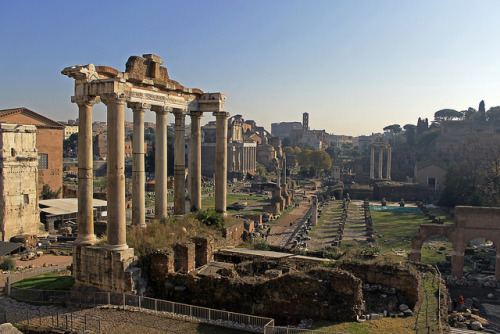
<point>211,217</point>
<point>7,264</point>
<point>260,244</point>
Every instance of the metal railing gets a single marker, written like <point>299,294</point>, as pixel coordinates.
<point>61,321</point>
<point>171,309</point>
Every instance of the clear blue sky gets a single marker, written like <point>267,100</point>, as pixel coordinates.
<point>355,66</point>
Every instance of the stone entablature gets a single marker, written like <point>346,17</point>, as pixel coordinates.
<point>19,212</point>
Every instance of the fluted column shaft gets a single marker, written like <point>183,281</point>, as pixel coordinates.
<point>372,163</point>
<point>221,160</point>
<point>380,162</point>
<point>138,169</point>
<point>117,239</point>
<point>179,164</point>
<point>389,162</point>
<point>195,159</point>
<point>86,234</point>
<point>161,162</point>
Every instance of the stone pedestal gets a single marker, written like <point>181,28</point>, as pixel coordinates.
<point>106,269</point>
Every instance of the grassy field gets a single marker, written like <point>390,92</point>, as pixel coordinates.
<point>48,281</point>
<point>380,326</point>
<point>397,229</point>
<point>255,203</point>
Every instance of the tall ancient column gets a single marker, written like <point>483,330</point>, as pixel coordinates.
<point>389,162</point>
<point>221,160</point>
<point>161,161</point>
<point>138,170</point>
<point>179,163</point>
<point>372,163</point>
<point>380,162</point>
<point>86,234</point>
<point>195,159</point>
<point>116,171</point>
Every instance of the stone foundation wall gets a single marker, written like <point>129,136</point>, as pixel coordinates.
<point>319,293</point>
<point>105,270</point>
<point>204,248</point>
<point>405,280</point>
<point>185,257</point>
<point>234,234</point>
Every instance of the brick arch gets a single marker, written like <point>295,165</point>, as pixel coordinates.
<point>429,230</point>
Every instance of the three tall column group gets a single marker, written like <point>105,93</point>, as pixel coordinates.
<point>380,162</point>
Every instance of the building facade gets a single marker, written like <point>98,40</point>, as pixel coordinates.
<point>18,181</point>
<point>49,143</point>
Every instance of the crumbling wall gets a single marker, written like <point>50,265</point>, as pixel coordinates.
<point>319,293</point>
<point>404,279</point>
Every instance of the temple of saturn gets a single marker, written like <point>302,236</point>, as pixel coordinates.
<point>380,144</point>
<point>145,85</point>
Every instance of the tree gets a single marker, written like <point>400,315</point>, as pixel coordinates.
<point>475,180</point>
<point>71,144</point>
<point>447,115</point>
<point>481,112</point>
<point>493,114</point>
<point>410,131</point>
<point>394,128</point>
<point>321,161</point>
<point>285,142</point>
<point>469,113</point>
<point>288,150</point>
<point>48,193</point>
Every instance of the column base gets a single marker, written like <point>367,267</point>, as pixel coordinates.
<point>116,247</point>
<point>85,239</point>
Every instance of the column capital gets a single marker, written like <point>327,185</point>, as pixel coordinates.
<point>195,114</point>
<point>161,109</point>
<point>179,111</point>
<point>85,100</point>
<point>138,106</point>
<point>113,98</point>
<point>224,114</point>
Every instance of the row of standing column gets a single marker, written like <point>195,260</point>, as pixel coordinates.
<point>116,226</point>
<point>380,163</point>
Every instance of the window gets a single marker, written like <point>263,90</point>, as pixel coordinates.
<point>431,182</point>
<point>43,161</point>
<point>26,198</point>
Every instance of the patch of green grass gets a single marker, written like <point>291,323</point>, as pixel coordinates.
<point>396,229</point>
<point>380,326</point>
<point>48,281</point>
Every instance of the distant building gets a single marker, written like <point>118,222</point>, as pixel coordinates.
<point>317,139</point>
<point>241,149</point>
<point>284,129</point>
<point>49,143</point>
<point>19,212</point>
<point>69,130</point>
<point>431,175</point>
